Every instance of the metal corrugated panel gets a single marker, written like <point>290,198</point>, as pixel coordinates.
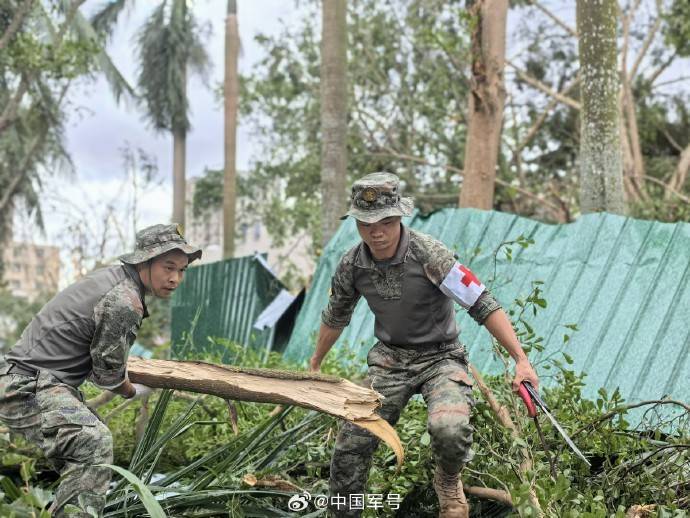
<point>230,294</point>
<point>624,282</point>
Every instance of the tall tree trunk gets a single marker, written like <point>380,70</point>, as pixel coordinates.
<point>485,112</point>
<point>231,90</point>
<point>333,115</point>
<point>601,174</point>
<point>179,159</point>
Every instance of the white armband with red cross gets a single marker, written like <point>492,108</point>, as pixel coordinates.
<point>462,286</point>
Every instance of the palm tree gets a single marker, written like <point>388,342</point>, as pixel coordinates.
<point>231,92</point>
<point>31,130</point>
<point>333,115</point>
<point>168,45</point>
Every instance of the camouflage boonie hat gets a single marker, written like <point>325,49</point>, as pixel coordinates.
<point>377,196</point>
<point>157,240</point>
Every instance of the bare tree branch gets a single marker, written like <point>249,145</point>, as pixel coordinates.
<point>544,88</point>
<point>555,18</point>
<point>648,41</point>
<point>487,493</point>
<point>624,408</point>
<point>534,129</point>
<point>671,140</point>
<point>662,67</point>
<point>680,175</point>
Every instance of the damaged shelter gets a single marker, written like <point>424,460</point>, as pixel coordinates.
<point>238,299</point>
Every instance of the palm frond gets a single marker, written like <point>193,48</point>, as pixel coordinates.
<point>105,19</point>
<point>169,46</point>
<point>119,86</point>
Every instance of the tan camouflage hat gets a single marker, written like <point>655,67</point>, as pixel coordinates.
<point>158,239</point>
<point>377,196</point>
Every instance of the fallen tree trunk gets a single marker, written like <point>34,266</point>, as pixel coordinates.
<point>328,394</point>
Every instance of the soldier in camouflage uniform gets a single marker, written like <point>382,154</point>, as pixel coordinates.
<point>86,332</point>
<point>410,281</point>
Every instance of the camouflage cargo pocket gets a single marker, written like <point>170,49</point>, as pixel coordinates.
<point>67,435</point>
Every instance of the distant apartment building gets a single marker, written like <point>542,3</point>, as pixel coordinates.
<point>31,269</point>
<point>206,231</point>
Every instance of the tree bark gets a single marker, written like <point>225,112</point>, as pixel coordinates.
<point>633,164</point>
<point>329,394</point>
<point>487,493</point>
<point>486,101</point>
<point>333,115</point>
<point>179,162</point>
<point>680,175</point>
<point>601,174</point>
<point>231,90</point>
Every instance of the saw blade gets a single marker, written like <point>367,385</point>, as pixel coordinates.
<point>567,438</point>
<point>540,402</point>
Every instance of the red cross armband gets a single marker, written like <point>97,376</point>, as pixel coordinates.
<point>462,286</point>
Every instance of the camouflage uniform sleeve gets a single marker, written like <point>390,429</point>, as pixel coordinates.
<point>118,316</point>
<point>485,305</point>
<point>343,297</point>
<point>435,257</point>
<point>438,260</point>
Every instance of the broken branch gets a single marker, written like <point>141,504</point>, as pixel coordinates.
<point>328,394</point>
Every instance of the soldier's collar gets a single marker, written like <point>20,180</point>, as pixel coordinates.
<point>365,260</point>
<point>133,274</point>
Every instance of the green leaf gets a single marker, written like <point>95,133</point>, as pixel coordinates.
<point>152,506</point>
<point>426,439</point>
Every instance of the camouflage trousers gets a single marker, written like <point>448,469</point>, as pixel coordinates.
<point>53,416</point>
<point>439,373</point>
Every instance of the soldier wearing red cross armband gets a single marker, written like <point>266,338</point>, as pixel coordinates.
<point>410,282</point>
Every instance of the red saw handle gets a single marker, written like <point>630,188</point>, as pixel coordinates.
<point>527,398</point>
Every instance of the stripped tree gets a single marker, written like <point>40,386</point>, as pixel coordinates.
<point>231,94</point>
<point>333,115</point>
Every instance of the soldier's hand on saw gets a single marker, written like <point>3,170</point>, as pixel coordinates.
<point>525,372</point>
<point>141,391</point>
